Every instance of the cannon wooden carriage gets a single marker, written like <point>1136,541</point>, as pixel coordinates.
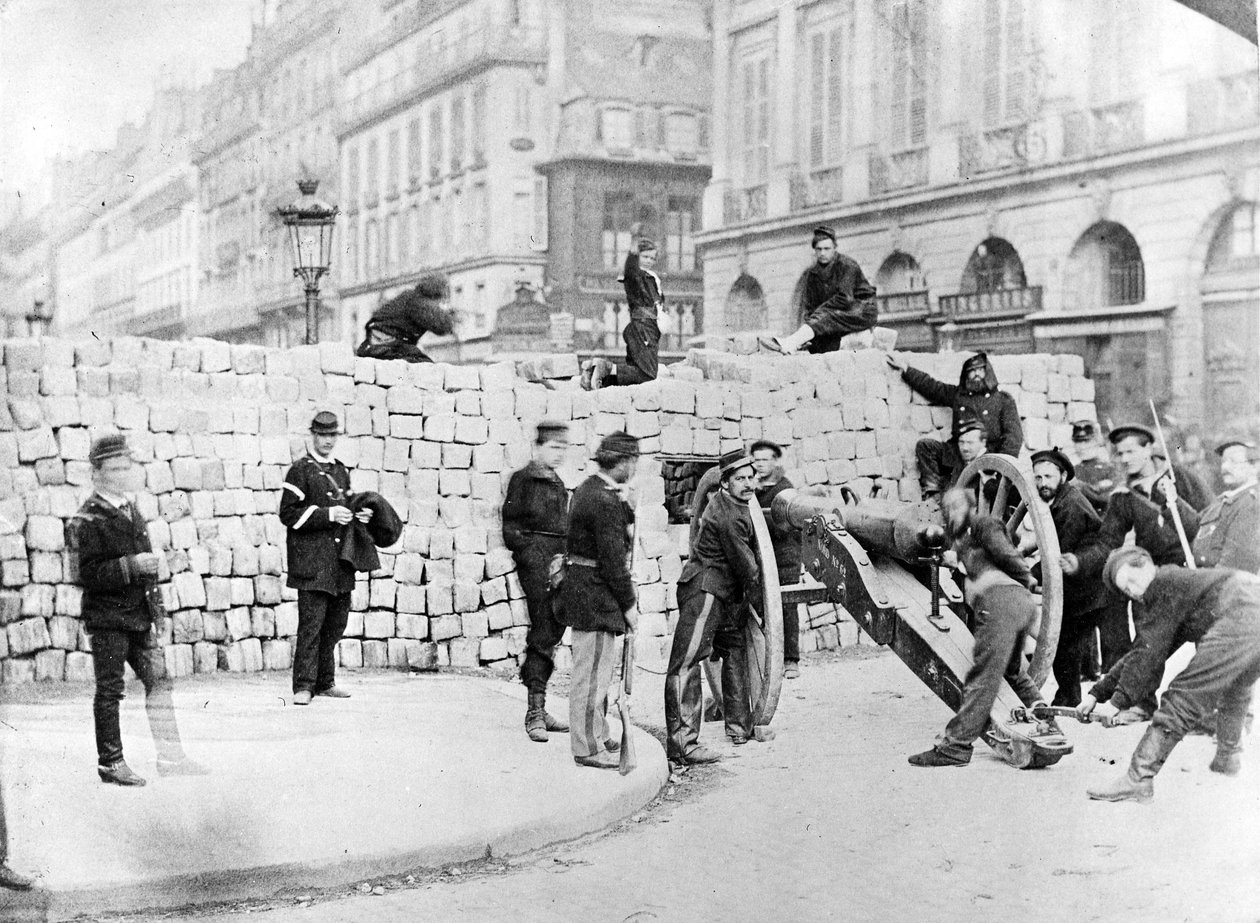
<point>877,559</point>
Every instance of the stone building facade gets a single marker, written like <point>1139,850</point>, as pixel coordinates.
<point>1061,176</point>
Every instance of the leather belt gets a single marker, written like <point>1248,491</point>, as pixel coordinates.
<point>580,561</point>
<point>548,534</point>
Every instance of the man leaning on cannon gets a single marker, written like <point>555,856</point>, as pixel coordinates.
<point>975,397</point>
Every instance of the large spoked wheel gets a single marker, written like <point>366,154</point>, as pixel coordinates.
<point>764,635</point>
<point>1006,492</point>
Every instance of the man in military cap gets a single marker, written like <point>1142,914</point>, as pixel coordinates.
<point>1095,472</point>
<point>1216,609</point>
<point>1076,523</point>
<point>833,299</point>
<point>597,597</point>
<point>118,571</point>
<point>1229,529</point>
<point>535,524</point>
<point>642,336</point>
<point>396,327</point>
<point>314,508</point>
<point>720,577</point>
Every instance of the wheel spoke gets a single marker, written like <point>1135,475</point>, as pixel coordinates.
<point>1017,519</point>
<point>999,499</point>
<point>982,505</point>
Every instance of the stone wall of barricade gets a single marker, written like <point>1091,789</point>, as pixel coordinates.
<point>214,427</point>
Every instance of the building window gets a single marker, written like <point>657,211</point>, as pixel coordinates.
<point>826,105</point>
<point>540,213</point>
<point>908,98</point>
<point>373,172</point>
<point>681,135</point>
<point>393,243</point>
<point>994,265</point>
<point>411,246</point>
<point>393,163</point>
<point>413,153</point>
<point>616,128</point>
<point>523,216</point>
<point>459,221</point>
<point>618,217</point>
<point>435,141</point>
<point>478,126</point>
<point>680,247</point>
<point>478,218</point>
<point>423,237</point>
<point>521,111</point>
<point>457,134</point>
<point>373,247</point>
<point>1105,268</point>
<point>1242,234</point>
<point>1005,60</point>
<point>754,136</point>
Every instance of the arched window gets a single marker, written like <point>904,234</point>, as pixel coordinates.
<point>746,304</point>
<point>899,273</point>
<point>1105,268</point>
<point>994,265</point>
<point>1236,242</point>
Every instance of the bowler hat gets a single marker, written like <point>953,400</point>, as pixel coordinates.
<point>111,445</point>
<point>1126,554</point>
<point>1131,429</point>
<point>325,423</point>
<point>1056,458</point>
<point>734,460</point>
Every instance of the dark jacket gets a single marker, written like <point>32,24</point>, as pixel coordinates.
<point>1229,532</point>
<point>786,541</point>
<point>104,541</point>
<point>359,540</point>
<point>989,558</point>
<point>723,555</point>
<point>995,409</point>
<point>314,541</point>
<point>410,316</point>
<point>1097,479</point>
<point>1179,606</point>
<point>535,523</point>
<point>643,289</point>
<point>596,598</point>
<point>1151,523</point>
<point>1077,523</point>
<point>835,300</point>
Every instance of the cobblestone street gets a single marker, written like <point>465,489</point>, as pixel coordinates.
<point>829,822</point>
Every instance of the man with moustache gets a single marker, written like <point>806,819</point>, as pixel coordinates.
<point>1229,529</point>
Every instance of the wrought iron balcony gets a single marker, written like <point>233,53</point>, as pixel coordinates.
<point>741,205</point>
<point>1103,129</point>
<point>903,304</point>
<point>822,187</point>
<point>902,170</point>
<point>1003,302</point>
<point>1224,103</point>
<point>1126,283</point>
<point>1014,147</point>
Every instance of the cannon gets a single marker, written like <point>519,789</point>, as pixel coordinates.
<point>880,560</point>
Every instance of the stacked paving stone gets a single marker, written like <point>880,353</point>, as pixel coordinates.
<point>215,426</point>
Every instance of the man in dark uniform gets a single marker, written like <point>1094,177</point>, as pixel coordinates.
<point>1229,529</point>
<point>1083,597</point>
<point>767,459</point>
<point>644,300</point>
<point>1216,609</point>
<point>975,397</point>
<point>1095,471</point>
<point>720,576</point>
<point>118,570</point>
<point>597,597</point>
<point>396,327</point>
<point>833,299</point>
<point>313,507</point>
<point>535,523</point>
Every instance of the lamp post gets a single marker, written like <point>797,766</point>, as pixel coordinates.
<point>310,223</point>
<point>39,319</point>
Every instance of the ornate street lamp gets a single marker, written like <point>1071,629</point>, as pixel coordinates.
<point>310,223</point>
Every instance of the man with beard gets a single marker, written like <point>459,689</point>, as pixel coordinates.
<point>1229,529</point>
<point>1076,523</point>
<point>720,577</point>
<point>833,299</point>
<point>997,589</point>
<point>1216,609</point>
<point>395,329</point>
<point>975,397</point>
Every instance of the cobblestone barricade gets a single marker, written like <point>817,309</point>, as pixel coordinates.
<point>215,426</point>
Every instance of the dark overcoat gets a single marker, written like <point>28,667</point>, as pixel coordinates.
<point>835,300</point>
<point>535,523</point>
<point>1151,523</point>
<point>104,541</point>
<point>314,541</point>
<point>596,598</point>
<point>723,556</point>
<point>1077,523</point>
<point>995,409</point>
<point>1229,532</point>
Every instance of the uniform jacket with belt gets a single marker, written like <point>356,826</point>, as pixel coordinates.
<point>1147,515</point>
<point>314,541</point>
<point>1229,531</point>
<point>722,555</point>
<point>643,289</point>
<point>835,300</point>
<point>995,409</point>
<point>535,522</point>
<point>105,540</point>
<point>595,598</point>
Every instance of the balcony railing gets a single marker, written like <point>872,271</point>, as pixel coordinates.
<point>1126,283</point>
<point>903,304</point>
<point>687,323</point>
<point>1103,129</point>
<point>903,170</point>
<point>1224,103</point>
<point>742,205</point>
<point>805,190</point>
<point>1011,148</point>
<point>1005,302</point>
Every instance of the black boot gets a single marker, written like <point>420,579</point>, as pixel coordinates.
<point>536,718</point>
<point>1229,730</point>
<point>552,723</point>
<point>1137,784</point>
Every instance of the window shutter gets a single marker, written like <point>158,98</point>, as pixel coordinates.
<point>818,95</point>
<point>835,91</point>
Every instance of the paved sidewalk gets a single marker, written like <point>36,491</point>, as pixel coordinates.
<point>413,771</point>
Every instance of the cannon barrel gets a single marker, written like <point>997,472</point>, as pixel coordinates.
<point>888,527</point>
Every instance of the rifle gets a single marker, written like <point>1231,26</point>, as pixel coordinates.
<point>1172,507</point>
<point>628,760</point>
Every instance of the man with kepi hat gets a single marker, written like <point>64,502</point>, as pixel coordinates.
<point>1229,529</point>
<point>1076,523</point>
<point>1217,610</point>
<point>314,507</point>
<point>832,300</point>
<point>720,577</point>
<point>118,571</point>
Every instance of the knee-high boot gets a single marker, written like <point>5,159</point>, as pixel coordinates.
<point>1137,784</point>
<point>1229,731</point>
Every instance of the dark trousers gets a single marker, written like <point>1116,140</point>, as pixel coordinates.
<point>1075,634</point>
<point>939,464</point>
<point>791,618</point>
<point>111,652</point>
<point>700,616</point>
<point>643,346</point>
<point>322,619</point>
<point>1002,617</point>
<point>408,352</point>
<point>1114,639</point>
<point>545,631</point>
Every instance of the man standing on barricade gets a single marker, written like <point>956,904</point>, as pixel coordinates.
<point>314,508</point>
<point>597,597</point>
<point>975,397</point>
<point>720,577</point>
<point>535,524</point>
